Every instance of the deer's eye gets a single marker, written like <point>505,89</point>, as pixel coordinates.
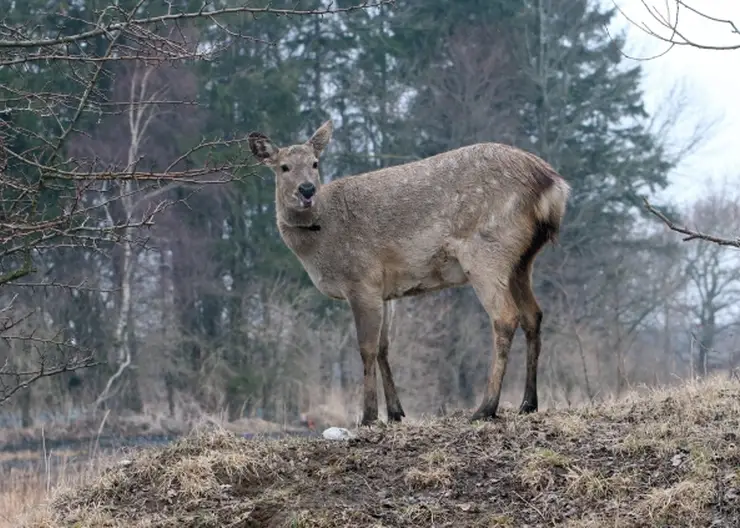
<point>285,168</point>
<point>315,164</point>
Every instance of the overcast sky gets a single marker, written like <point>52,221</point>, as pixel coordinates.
<point>711,83</point>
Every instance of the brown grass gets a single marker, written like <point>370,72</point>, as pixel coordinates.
<point>22,489</point>
<point>658,458</point>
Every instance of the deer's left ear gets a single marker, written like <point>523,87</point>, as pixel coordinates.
<point>321,137</point>
<point>262,147</point>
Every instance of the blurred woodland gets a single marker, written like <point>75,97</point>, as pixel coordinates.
<point>141,271</point>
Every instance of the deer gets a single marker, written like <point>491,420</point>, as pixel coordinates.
<point>477,215</point>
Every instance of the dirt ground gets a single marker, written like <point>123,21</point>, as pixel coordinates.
<point>661,458</point>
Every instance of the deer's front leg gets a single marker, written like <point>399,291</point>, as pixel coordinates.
<point>368,314</point>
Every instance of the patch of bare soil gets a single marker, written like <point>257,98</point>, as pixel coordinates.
<point>664,458</point>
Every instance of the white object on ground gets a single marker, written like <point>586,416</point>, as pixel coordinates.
<point>337,433</point>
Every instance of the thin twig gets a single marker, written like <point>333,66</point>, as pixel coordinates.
<point>691,234</point>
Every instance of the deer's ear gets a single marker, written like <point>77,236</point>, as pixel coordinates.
<point>321,137</point>
<point>262,147</point>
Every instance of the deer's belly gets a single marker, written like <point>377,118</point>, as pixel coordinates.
<point>415,280</point>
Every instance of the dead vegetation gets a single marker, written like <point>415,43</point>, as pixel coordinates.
<point>659,458</point>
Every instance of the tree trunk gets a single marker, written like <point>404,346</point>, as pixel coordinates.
<point>706,344</point>
<point>25,400</point>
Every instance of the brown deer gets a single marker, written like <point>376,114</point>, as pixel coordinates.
<point>477,214</point>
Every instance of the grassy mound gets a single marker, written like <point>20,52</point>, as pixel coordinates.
<point>662,458</point>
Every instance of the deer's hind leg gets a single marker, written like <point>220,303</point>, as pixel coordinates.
<point>489,272</point>
<point>530,319</point>
<point>392,402</point>
<point>530,315</point>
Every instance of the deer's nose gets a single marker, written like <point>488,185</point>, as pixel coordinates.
<point>307,189</point>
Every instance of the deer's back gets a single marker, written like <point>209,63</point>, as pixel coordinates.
<point>450,194</point>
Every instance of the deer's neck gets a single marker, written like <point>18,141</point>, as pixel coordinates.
<point>295,218</point>
<point>304,239</point>
<point>300,229</point>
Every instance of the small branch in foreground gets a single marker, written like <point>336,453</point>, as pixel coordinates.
<point>201,13</point>
<point>691,234</point>
<point>23,380</point>
<point>669,22</point>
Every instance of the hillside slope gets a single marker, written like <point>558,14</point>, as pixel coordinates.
<point>663,458</point>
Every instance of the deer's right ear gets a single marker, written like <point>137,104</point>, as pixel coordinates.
<point>262,147</point>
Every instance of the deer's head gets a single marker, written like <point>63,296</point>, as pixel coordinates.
<point>296,167</point>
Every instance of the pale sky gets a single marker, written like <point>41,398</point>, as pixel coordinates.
<point>711,82</point>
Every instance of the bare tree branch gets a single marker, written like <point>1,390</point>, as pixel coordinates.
<point>205,12</point>
<point>12,381</point>
<point>691,234</point>
<point>61,189</point>
<point>668,29</point>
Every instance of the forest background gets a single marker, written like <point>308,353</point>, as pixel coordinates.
<point>141,272</point>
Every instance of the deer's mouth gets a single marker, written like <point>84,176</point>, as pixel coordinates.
<point>306,202</point>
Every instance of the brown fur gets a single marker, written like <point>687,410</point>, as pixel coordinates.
<point>475,215</point>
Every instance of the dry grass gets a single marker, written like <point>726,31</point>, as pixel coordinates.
<point>659,458</point>
<point>434,469</point>
<point>23,488</point>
